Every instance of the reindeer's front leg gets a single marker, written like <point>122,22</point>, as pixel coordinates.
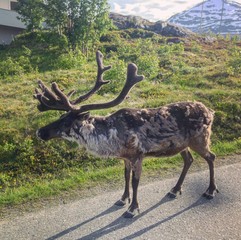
<point>136,174</point>
<point>126,195</point>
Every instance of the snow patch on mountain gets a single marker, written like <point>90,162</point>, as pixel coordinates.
<point>217,16</point>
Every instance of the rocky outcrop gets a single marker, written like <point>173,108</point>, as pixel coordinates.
<point>159,27</point>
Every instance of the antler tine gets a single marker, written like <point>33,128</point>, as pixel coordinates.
<point>63,102</point>
<point>38,95</point>
<point>45,96</point>
<point>101,67</point>
<point>47,92</point>
<point>132,77</point>
<point>131,80</point>
<point>52,100</point>
<point>99,80</point>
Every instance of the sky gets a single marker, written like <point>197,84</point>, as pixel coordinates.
<point>153,10</point>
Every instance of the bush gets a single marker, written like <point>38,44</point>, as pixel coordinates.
<point>40,40</point>
<point>37,50</point>
<point>149,65</point>
<point>70,60</point>
<point>10,67</point>
<point>234,64</point>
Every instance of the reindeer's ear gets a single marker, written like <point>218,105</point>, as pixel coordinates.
<point>83,116</point>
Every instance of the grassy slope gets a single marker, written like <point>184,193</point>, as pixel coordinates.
<point>195,70</point>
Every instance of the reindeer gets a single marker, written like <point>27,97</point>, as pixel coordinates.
<point>131,134</point>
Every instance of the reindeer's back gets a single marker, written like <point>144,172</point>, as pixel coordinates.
<point>160,131</point>
<point>190,115</point>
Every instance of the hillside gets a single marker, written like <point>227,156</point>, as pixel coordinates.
<point>217,16</point>
<point>176,69</point>
<point>160,27</point>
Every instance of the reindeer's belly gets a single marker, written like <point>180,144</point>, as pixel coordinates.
<point>167,147</point>
<point>165,152</point>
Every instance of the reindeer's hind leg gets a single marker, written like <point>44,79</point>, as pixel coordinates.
<point>188,159</point>
<point>209,194</point>
<point>201,146</point>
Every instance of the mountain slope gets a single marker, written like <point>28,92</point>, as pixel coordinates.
<point>159,27</point>
<point>217,16</point>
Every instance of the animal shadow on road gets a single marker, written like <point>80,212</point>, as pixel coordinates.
<point>121,222</point>
<point>71,229</point>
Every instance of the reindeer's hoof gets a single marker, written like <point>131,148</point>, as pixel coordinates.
<point>210,194</point>
<point>122,203</point>
<point>131,214</point>
<point>173,193</point>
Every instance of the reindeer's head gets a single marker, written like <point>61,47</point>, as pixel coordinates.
<point>75,117</point>
<point>63,126</point>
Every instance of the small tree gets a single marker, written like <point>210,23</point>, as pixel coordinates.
<point>82,21</point>
<point>92,22</point>
<point>31,13</point>
<point>56,14</point>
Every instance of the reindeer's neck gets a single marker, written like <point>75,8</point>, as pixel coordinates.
<point>97,136</point>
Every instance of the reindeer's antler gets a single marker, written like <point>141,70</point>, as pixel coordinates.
<point>55,99</point>
<point>131,80</point>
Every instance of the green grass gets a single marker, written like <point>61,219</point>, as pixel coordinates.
<point>73,179</point>
<point>31,169</point>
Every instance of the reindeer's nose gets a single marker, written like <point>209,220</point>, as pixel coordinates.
<point>41,134</point>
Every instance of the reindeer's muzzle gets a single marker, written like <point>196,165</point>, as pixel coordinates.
<point>43,134</point>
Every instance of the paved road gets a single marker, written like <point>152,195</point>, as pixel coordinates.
<point>188,217</point>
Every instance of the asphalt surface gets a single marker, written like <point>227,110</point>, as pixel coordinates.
<point>189,217</point>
